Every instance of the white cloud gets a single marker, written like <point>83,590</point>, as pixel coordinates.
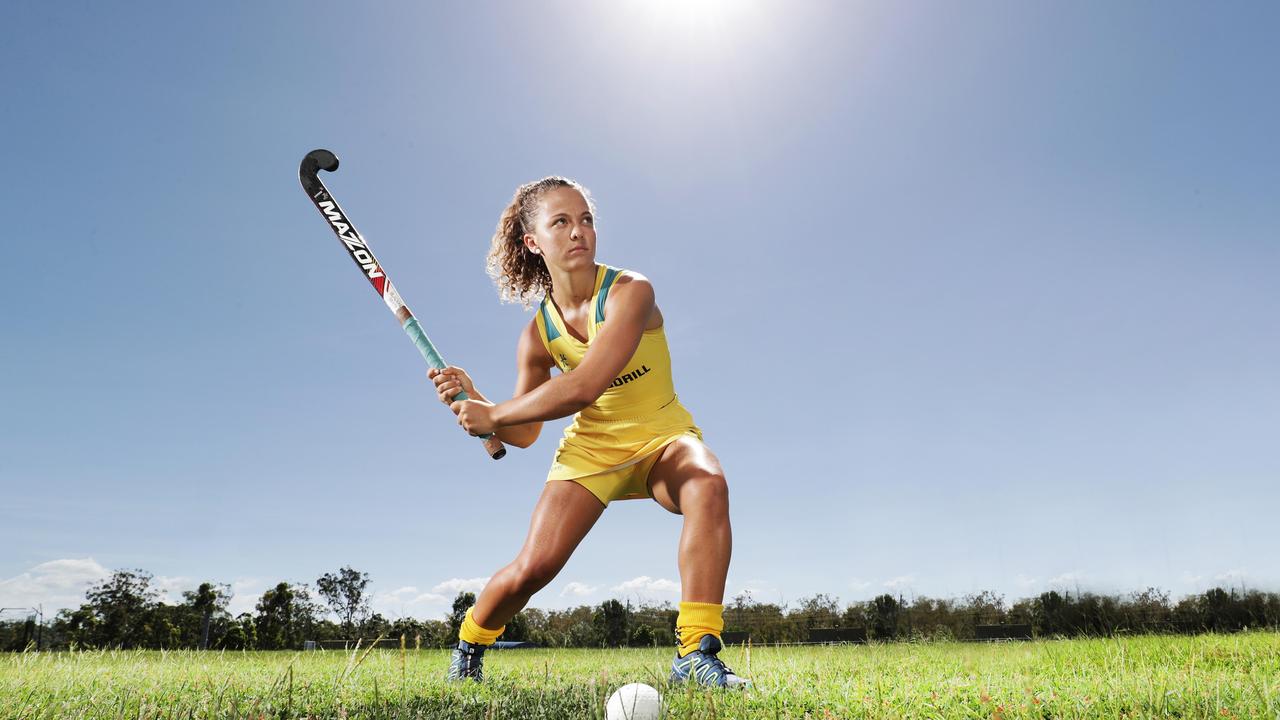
<point>401,593</point>
<point>577,589</point>
<point>171,588</point>
<point>409,601</point>
<point>453,586</point>
<point>1024,582</point>
<point>900,582</point>
<point>245,592</point>
<point>1068,578</point>
<point>645,585</point>
<point>758,588</point>
<point>1232,576</point>
<point>55,584</point>
<point>859,584</point>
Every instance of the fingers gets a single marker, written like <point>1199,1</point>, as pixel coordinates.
<point>443,375</point>
<point>447,390</point>
<point>448,382</point>
<point>448,371</point>
<point>464,418</point>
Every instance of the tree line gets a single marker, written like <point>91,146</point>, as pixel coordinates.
<point>126,611</point>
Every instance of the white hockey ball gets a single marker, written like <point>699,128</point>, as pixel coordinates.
<point>636,701</point>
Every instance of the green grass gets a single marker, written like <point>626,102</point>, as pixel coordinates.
<point>1208,676</point>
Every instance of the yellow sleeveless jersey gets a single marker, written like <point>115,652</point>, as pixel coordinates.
<point>637,415</point>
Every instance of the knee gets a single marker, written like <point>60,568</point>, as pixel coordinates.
<point>706,493</point>
<point>532,574</point>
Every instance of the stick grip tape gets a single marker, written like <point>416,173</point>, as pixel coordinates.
<point>413,329</point>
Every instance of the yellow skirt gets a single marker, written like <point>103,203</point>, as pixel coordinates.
<point>612,457</point>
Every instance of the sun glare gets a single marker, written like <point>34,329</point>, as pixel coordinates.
<point>691,12</point>
<point>720,19</point>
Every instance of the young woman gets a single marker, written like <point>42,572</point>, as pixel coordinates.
<point>630,437</point>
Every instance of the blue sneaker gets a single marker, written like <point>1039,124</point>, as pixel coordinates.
<point>704,667</point>
<point>468,662</point>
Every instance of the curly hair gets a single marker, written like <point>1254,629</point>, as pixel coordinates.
<point>522,276</point>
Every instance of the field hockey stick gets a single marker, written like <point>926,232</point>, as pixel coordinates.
<point>358,249</point>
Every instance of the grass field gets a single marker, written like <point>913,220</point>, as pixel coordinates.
<point>1208,676</point>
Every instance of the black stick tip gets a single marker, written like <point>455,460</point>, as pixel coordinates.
<point>323,159</point>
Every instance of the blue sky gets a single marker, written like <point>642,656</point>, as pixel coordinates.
<point>965,297</point>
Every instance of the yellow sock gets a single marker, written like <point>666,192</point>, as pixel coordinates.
<point>695,620</point>
<point>471,632</point>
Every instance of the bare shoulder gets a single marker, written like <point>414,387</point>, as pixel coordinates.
<point>530,348</point>
<point>635,289</point>
<point>631,276</point>
<point>636,284</point>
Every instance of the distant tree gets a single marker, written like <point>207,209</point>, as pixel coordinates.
<point>536,624</point>
<point>1050,616</point>
<point>929,618</point>
<point>286,615</point>
<point>1022,612</point>
<point>1260,610</point>
<point>517,628</point>
<point>858,614</point>
<point>986,607</point>
<point>162,627</point>
<point>884,616</point>
<point>1219,611</point>
<point>16,635</point>
<point>120,606</point>
<point>242,634</point>
<point>412,629</point>
<point>642,635</point>
<point>767,622</point>
<point>1098,615</point>
<point>610,623</point>
<point>203,604</point>
<point>819,611</point>
<point>435,633</point>
<point>458,613</point>
<point>344,591</point>
<point>375,626</point>
<point>583,634</point>
<point>76,628</point>
<point>654,625</point>
<point>569,628</point>
<point>1148,610</point>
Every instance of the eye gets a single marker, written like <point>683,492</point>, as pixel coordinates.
<point>558,221</point>
<point>589,220</point>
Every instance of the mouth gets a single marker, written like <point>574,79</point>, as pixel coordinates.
<point>580,249</point>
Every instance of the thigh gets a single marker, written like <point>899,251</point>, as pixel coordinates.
<point>565,513</point>
<point>686,458</point>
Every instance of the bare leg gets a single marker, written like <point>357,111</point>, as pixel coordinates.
<point>565,512</point>
<point>687,480</point>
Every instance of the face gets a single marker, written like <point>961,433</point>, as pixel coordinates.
<point>564,231</point>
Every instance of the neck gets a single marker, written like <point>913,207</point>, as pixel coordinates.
<point>572,287</point>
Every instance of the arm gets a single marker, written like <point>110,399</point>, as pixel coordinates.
<point>630,303</point>
<point>533,368</point>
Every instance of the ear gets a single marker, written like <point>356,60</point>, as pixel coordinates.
<point>531,243</point>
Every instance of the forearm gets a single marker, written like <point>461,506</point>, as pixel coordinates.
<point>522,435</point>
<point>561,396</point>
